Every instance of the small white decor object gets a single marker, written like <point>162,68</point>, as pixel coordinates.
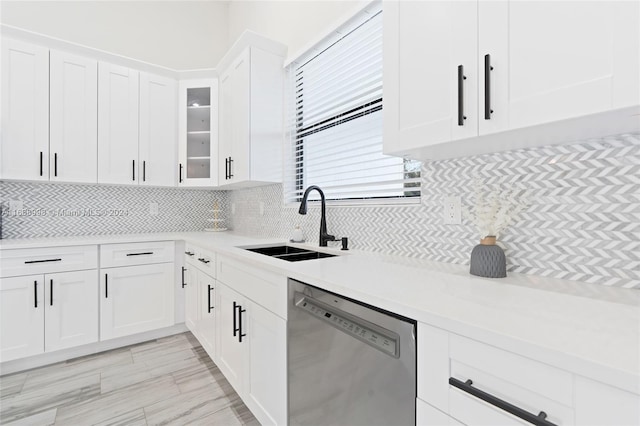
<point>216,220</point>
<point>297,236</point>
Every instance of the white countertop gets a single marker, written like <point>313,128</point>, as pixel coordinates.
<point>591,330</point>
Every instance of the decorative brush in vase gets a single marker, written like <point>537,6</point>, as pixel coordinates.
<point>492,212</point>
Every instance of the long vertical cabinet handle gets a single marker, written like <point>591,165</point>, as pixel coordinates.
<point>209,307</point>
<point>180,173</point>
<point>235,328</point>
<point>487,87</point>
<point>106,286</point>
<point>183,283</point>
<point>50,292</point>
<point>226,168</point>
<point>144,171</point>
<point>230,167</point>
<point>241,334</point>
<point>133,171</point>
<point>55,164</point>
<point>461,79</point>
<point>35,294</point>
<point>41,163</point>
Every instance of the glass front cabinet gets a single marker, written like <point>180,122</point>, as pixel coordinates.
<point>198,124</point>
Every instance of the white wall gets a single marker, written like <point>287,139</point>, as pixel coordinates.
<point>180,35</point>
<point>297,23</point>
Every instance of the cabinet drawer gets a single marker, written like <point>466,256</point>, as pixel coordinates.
<point>205,260</point>
<point>263,287</point>
<point>526,384</point>
<point>46,260</point>
<point>129,254</point>
<point>190,254</point>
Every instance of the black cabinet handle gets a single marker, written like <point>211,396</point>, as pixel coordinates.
<point>226,168</point>
<point>183,283</point>
<point>180,173</point>
<point>140,254</point>
<point>51,293</point>
<point>42,261</point>
<point>144,171</point>
<point>538,420</point>
<point>41,163</point>
<point>461,79</point>
<point>188,253</point>
<point>235,329</point>
<point>209,307</point>
<point>230,167</point>
<point>487,87</point>
<point>55,164</point>
<point>35,294</point>
<point>203,260</point>
<point>106,286</point>
<point>133,171</point>
<point>240,333</point>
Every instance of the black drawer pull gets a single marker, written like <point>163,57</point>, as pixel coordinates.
<point>235,329</point>
<point>240,333</point>
<point>55,164</point>
<point>41,171</point>
<point>50,292</point>
<point>106,286</point>
<point>180,173</point>
<point>35,294</point>
<point>146,253</point>
<point>133,171</point>
<point>539,420</point>
<point>203,260</point>
<point>230,164</point>
<point>183,283</point>
<point>188,253</point>
<point>42,261</point>
<point>144,171</point>
<point>209,307</point>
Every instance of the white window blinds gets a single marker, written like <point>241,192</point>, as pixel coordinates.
<point>335,122</point>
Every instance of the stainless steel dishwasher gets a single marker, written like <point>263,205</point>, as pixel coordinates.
<point>349,363</point>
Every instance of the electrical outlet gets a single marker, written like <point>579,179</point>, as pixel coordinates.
<point>452,210</point>
<point>153,209</point>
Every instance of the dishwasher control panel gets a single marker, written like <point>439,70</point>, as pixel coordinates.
<point>376,337</point>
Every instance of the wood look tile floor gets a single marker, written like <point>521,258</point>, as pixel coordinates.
<point>169,381</point>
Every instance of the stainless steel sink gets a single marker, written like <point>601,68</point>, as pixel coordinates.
<point>288,253</point>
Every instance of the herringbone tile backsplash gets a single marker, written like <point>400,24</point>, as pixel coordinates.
<point>54,209</point>
<point>583,221</point>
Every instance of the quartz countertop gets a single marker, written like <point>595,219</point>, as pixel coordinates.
<point>588,329</point>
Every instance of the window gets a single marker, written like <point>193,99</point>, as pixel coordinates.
<point>335,122</point>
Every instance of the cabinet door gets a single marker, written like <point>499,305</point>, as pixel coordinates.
<point>426,101</point>
<point>231,352</point>
<point>206,323</point>
<point>191,312</point>
<point>557,60</point>
<point>117,124</point>
<point>266,388</point>
<point>198,124</point>
<point>71,306</point>
<point>24,151</point>
<point>21,317</point>
<point>595,404</point>
<point>158,133</point>
<point>235,86</point>
<point>73,122</point>
<point>135,299</point>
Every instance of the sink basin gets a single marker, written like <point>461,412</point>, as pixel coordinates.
<point>290,254</point>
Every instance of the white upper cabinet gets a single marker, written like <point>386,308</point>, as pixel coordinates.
<point>557,60</point>
<point>198,134</point>
<point>24,148</point>
<point>251,117</point>
<point>73,118</point>
<point>117,124</point>
<point>430,72</point>
<point>158,134</point>
<point>472,77</point>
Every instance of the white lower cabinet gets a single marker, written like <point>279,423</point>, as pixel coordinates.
<point>44,313</point>
<point>252,349</point>
<point>206,322</point>
<point>190,285</point>
<point>601,404</point>
<point>135,299</point>
<point>426,415</point>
